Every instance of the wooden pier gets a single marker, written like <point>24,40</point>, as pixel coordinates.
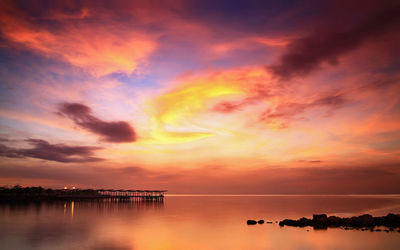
<point>132,194</point>
<point>19,193</point>
<point>112,194</point>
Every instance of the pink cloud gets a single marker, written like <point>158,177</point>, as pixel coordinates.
<point>97,47</point>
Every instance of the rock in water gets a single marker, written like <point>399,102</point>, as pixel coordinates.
<point>320,221</point>
<point>335,221</point>
<point>361,221</point>
<point>251,222</point>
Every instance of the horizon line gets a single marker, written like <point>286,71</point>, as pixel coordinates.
<point>398,194</point>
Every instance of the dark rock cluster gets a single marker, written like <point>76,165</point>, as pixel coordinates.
<point>322,221</point>
<point>251,222</point>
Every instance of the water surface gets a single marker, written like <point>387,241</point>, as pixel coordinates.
<point>192,222</point>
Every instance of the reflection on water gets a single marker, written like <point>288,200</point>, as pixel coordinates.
<point>72,209</point>
<point>191,222</point>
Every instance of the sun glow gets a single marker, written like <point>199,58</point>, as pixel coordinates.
<point>175,115</point>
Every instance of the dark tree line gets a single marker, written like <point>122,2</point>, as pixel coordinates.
<point>39,193</point>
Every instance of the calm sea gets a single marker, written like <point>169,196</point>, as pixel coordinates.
<point>192,222</point>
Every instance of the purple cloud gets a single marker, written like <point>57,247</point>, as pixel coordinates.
<point>119,131</point>
<point>52,152</point>
<point>306,54</point>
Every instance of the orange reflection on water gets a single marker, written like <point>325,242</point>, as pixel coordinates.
<point>194,222</point>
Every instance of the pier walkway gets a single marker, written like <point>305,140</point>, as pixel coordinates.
<point>120,194</point>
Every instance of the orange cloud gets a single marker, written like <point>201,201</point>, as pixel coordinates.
<point>179,114</point>
<point>98,48</point>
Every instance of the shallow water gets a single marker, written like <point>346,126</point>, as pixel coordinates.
<point>192,222</point>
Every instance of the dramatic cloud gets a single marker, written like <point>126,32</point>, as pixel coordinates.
<point>306,54</point>
<point>187,83</point>
<point>118,132</point>
<point>52,152</point>
<point>286,111</point>
<point>280,109</point>
<point>79,39</point>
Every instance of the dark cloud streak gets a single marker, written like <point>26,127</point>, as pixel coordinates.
<point>118,132</point>
<point>52,152</point>
<point>306,54</point>
<point>283,111</point>
<point>287,111</point>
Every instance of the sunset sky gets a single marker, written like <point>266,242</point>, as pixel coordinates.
<point>255,97</point>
